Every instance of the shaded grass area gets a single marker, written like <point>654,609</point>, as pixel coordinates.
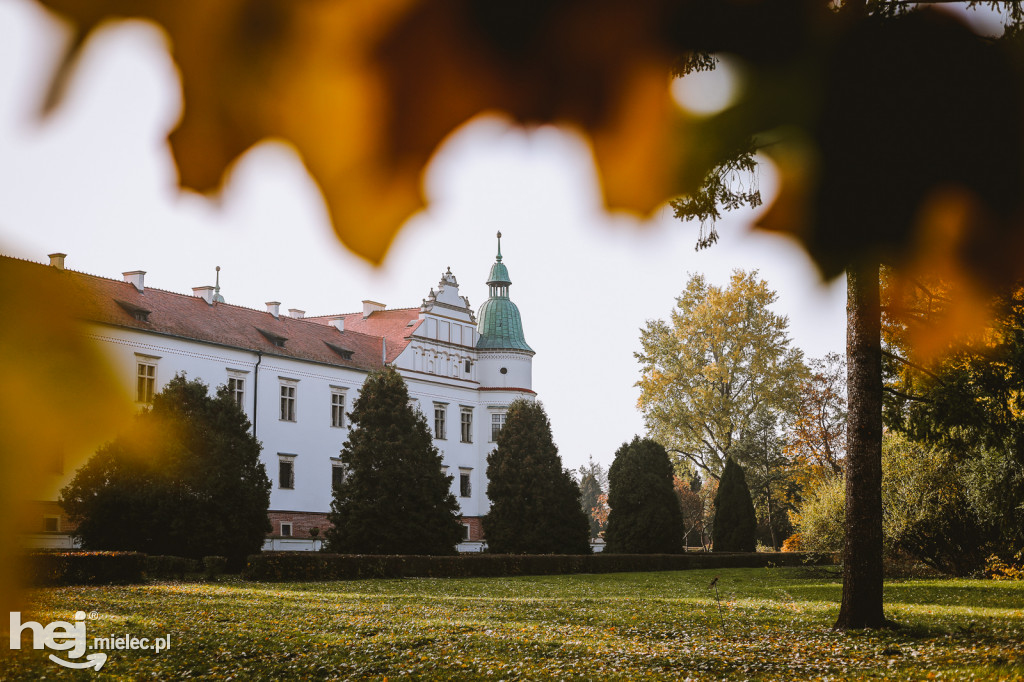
<point>772,624</point>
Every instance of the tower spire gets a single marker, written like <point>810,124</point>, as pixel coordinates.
<point>499,246</point>
<point>217,298</point>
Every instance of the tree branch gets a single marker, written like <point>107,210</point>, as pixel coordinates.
<point>907,396</point>
<point>908,363</point>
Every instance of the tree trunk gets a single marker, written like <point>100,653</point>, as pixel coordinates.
<point>862,548</point>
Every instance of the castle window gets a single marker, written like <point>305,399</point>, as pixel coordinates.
<point>465,485</point>
<point>140,314</point>
<point>51,524</point>
<point>236,387</point>
<point>286,529</point>
<point>288,400</point>
<point>440,417</point>
<point>286,472</point>
<point>337,476</point>
<point>467,424</point>
<point>273,338</point>
<point>337,407</point>
<point>145,386</point>
<point>465,531</point>
<point>497,424</point>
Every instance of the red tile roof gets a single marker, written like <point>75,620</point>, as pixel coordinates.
<point>120,304</point>
<point>392,325</point>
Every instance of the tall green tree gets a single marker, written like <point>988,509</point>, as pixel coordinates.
<point>535,503</point>
<point>770,477</point>
<point>722,356</point>
<point>645,517</point>
<point>395,497</point>
<point>593,486</point>
<point>187,481</point>
<point>734,528</point>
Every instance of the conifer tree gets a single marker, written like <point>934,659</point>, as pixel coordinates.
<point>188,482</point>
<point>734,528</point>
<point>645,516</point>
<point>593,485</point>
<point>535,503</point>
<point>395,498</point>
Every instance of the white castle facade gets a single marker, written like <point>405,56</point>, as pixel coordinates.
<point>296,378</point>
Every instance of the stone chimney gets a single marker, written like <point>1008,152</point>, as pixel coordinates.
<point>57,260</point>
<point>337,322</point>
<point>274,308</point>
<point>137,278</point>
<point>371,307</point>
<point>296,313</point>
<point>205,293</point>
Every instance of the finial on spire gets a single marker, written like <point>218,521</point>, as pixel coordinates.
<point>499,246</point>
<point>217,298</point>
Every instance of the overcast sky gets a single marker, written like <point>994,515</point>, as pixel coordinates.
<point>96,182</point>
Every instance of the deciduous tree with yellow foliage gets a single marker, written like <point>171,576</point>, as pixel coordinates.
<point>722,356</point>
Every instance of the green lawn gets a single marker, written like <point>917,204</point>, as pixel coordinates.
<point>774,624</point>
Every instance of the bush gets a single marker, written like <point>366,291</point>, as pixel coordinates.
<point>214,566</point>
<point>947,514</point>
<point>820,521</point>
<point>535,503</point>
<point>645,517</point>
<point>735,524</point>
<point>303,566</point>
<point>163,567</point>
<point>186,481</point>
<point>86,568</point>
<point>997,569</point>
<point>395,498</point>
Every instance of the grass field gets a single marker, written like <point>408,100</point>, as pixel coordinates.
<point>773,624</point>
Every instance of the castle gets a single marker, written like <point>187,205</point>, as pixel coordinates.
<point>296,377</point>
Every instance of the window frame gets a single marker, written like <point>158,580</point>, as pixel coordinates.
<point>145,384</point>
<point>291,529</point>
<point>497,420</point>
<point>338,410</point>
<point>284,460</point>
<point>466,424</point>
<point>289,400</point>
<point>465,482</point>
<point>236,387</point>
<point>440,421</point>
<point>336,469</point>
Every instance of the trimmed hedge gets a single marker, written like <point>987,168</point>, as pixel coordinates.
<point>86,568</point>
<point>163,567</point>
<point>311,566</point>
<point>214,566</point>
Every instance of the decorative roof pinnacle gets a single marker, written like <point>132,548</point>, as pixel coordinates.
<point>217,298</point>
<point>499,246</point>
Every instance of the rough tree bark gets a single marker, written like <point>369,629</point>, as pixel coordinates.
<point>862,549</point>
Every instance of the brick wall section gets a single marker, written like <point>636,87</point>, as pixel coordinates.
<point>301,523</point>
<point>33,514</point>
<point>476,529</point>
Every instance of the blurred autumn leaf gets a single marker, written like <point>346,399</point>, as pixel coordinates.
<point>871,116</point>
<point>60,397</point>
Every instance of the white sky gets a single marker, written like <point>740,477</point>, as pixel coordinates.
<point>96,181</point>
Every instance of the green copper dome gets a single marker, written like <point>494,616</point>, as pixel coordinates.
<point>499,325</point>
<point>499,274</point>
